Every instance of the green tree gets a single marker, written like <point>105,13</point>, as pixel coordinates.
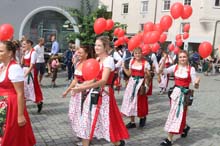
<point>85,20</point>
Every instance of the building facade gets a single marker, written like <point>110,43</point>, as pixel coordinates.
<point>204,22</point>
<point>41,18</point>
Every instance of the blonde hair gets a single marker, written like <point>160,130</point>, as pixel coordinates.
<point>137,49</point>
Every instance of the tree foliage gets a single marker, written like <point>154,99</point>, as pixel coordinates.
<point>85,20</point>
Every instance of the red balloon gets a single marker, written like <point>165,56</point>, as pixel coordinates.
<point>121,33</point>
<point>132,44</point>
<point>138,38</point>
<point>6,32</point>
<point>117,42</point>
<point>155,47</point>
<point>187,11</point>
<point>179,43</point>
<point>154,37</point>
<point>186,27</point>
<point>109,24</point>
<point>178,37</point>
<point>185,35</point>
<point>171,47</point>
<point>99,25</point>
<point>146,49</point>
<point>147,37</point>
<point>176,50</point>
<point>126,39</point>
<point>158,28</point>
<point>141,34</point>
<point>149,26</point>
<point>90,69</point>
<point>116,31</point>
<point>121,40</point>
<point>163,38</point>
<point>205,49</point>
<point>176,10</point>
<point>166,22</point>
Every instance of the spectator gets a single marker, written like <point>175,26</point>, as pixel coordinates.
<point>54,50</point>
<point>40,64</point>
<point>68,60</point>
<point>54,65</point>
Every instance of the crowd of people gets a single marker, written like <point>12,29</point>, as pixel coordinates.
<point>93,111</point>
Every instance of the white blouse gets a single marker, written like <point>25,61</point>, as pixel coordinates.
<point>139,67</point>
<point>33,56</point>
<point>181,72</point>
<point>108,63</point>
<point>15,73</point>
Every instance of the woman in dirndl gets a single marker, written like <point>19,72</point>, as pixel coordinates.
<point>135,103</point>
<point>32,88</point>
<point>15,125</point>
<point>101,117</point>
<point>77,99</point>
<point>165,77</point>
<point>184,74</point>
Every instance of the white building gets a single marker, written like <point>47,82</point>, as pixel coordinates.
<point>35,19</point>
<point>204,21</point>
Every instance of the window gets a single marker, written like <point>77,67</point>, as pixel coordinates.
<point>141,27</point>
<point>125,8</point>
<point>166,5</point>
<point>187,2</point>
<point>144,6</point>
<point>217,2</point>
<point>182,27</point>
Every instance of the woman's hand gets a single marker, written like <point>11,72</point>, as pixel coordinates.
<point>158,78</point>
<point>77,89</point>
<point>197,81</point>
<point>64,94</point>
<point>21,120</point>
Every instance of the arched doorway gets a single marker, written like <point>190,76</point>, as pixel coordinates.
<point>44,21</point>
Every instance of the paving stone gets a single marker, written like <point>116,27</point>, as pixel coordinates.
<point>51,127</point>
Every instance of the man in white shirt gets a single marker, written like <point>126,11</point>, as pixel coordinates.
<point>40,64</point>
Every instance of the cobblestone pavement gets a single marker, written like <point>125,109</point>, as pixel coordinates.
<point>52,127</point>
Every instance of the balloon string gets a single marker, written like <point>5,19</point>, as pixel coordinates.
<point>127,58</point>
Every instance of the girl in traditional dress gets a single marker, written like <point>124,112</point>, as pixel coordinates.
<point>77,99</point>
<point>54,68</point>
<point>183,76</point>
<point>15,125</point>
<point>100,115</point>
<point>32,89</point>
<point>165,77</point>
<point>134,104</point>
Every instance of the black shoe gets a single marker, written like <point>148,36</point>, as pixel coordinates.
<point>185,131</point>
<point>122,143</point>
<point>39,107</point>
<point>166,142</point>
<point>142,122</point>
<point>131,125</point>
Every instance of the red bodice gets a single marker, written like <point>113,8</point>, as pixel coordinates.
<point>6,86</point>
<point>135,72</point>
<point>79,78</point>
<point>110,78</point>
<point>27,61</point>
<point>183,82</point>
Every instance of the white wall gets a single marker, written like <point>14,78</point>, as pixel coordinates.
<point>202,21</point>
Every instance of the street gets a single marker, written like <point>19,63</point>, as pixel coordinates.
<point>52,128</point>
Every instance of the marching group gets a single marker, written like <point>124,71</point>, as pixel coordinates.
<point>93,111</point>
